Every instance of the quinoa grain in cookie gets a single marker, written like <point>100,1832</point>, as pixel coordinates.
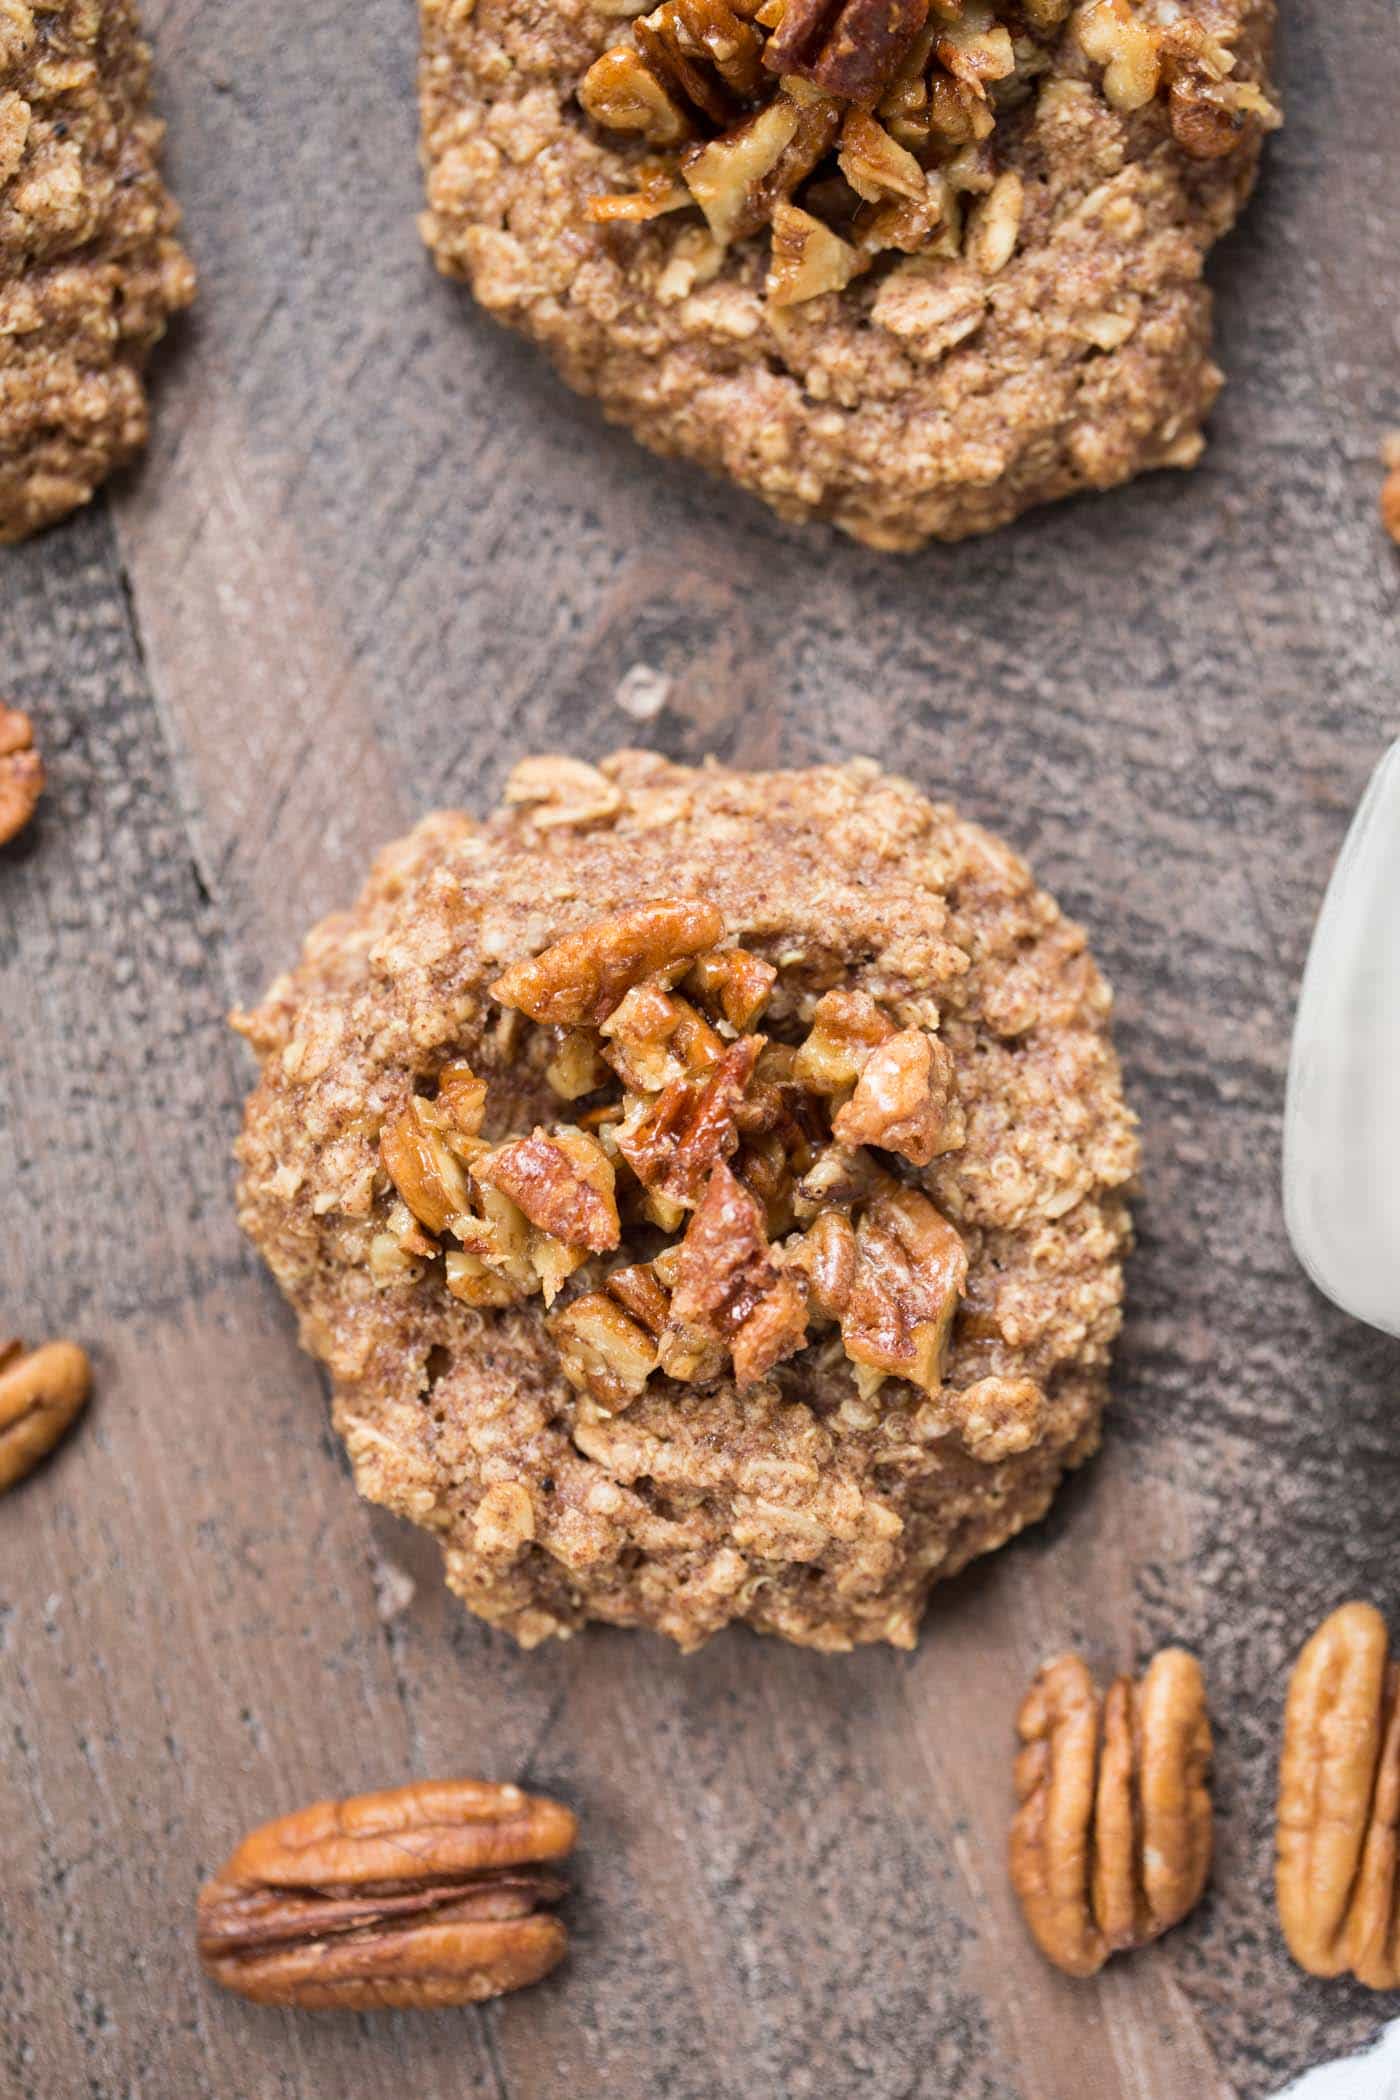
<point>910,265</point>
<point>706,1191</point>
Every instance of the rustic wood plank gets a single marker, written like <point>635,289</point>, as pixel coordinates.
<point>376,554</point>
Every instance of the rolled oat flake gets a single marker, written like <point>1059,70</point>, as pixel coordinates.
<point>1341,1149</point>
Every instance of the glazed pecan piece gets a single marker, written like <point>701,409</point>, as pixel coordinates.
<point>1339,1803</point>
<point>851,48</point>
<point>846,1028</point>
<point>910,1274</point>
<point>904,1100</point>
<point>603,1350</point>
<point>1111,1841</point>
<point>728,1287</point>
<point>578,980</point>
<point>417,1157</point>
<point>423,1896</point>
<point>673,1143</point>
<point>562,1182</point>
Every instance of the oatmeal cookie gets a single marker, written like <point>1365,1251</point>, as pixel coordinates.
<point>706,1191</point>
<point>90,270</point>
<point>909,265</point>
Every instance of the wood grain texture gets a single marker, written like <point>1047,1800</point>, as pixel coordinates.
<point>375,555</point>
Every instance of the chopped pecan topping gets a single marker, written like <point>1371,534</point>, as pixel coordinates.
<point>725,1140</point>
<point>850,48</point>
<point>902,1099</point>
<point>728,1287</point>
<point>581,978</point>
<point>655,1038</point>
<point>422,1896</point>
<point>21,773</point>
<point>911,1270</point>
<point>678,1138</point>
<point>1339,1803</point>
<point>733,986</point>
<point>603,1350</point>
<point>823,1259</point>
<point>563,1184</point>
<point>853,127</point>
<point>422,1165</point>
<point>1111,1842</point>
<point>1209,112</point>
<point>846,1027</point>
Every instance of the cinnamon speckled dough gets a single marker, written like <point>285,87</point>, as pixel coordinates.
<point>934,403</point>
<point>90,270</point>
<point>793,1506</point>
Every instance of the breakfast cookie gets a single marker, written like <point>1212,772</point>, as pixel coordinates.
<point>90,270</point>
<point>910,265</point>
<point>706,1192</point>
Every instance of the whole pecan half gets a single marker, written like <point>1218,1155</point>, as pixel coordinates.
<point>1339,1803</point>
<point>1111,1843</point>
<point>42,1393</point>
<point>422,1896</point>
<point>21,773</point>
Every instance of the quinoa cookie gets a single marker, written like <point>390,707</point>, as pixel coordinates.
<point>90,270</point>
<point>705,1190</point>
<point>909,265</point>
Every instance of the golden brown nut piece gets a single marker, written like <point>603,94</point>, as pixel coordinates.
<point>42,1393</point>
<point>1111,1843</point>
<point>1339,1803</point>
<point>21,773</point>
<point>1390,487</point>
<point>90,270</point>
<point>421,1896</point>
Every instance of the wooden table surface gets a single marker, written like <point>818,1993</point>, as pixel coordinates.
<point>375,554</point>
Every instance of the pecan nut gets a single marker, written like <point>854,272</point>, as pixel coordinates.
<point>42,1393</point>
<point>421,1896</point>
<point>1111,1840</point>
<point>851,48</point>
<point>1339,1803</point>
<point>21,773</point>
<point>581,978</point>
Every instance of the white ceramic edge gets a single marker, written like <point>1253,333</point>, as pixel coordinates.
<point>1359,829</point>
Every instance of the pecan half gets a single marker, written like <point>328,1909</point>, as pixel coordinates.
<point>581,978</point>
<point>1111,1840</point>
<point>422,1896</point>
<point>1339,1803</point>
<point>21,773</point>
<point>42,1393</point>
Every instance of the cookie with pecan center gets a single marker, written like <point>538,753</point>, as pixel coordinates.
<point>706,1192</point>
<point>910,265</point>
